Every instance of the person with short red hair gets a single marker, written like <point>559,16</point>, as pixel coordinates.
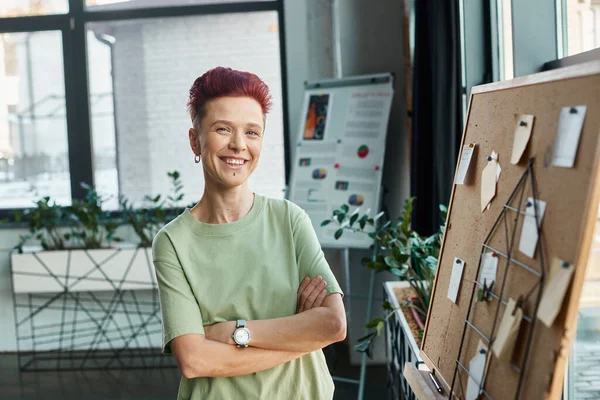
<point>247,298</point>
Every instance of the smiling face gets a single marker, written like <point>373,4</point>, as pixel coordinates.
<point>229,140</point>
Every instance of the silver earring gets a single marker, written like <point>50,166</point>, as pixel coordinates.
<point>196,158</point>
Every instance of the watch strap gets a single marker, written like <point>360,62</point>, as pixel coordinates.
<point>240,323</point>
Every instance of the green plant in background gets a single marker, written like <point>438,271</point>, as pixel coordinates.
<point>404,253</point>
<point>85,225</point>
<point>93,227</point>
<point>43,222</point>
<point>148,220</point>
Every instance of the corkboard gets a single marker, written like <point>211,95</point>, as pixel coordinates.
<point>572,196</point>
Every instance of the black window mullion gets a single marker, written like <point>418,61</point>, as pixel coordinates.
<point>284,93</point>
<point>34,23</point>
<point>180,10</point>
<point>77,100</point>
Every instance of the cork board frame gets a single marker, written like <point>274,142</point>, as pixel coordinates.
<point>572,196</point>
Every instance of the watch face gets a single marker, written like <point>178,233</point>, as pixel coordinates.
<point>242,336</point>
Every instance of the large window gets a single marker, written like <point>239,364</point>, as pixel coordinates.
<point>582,19</point>
<point>33,126</point>
<point>154,62</point>
<point>138,72</point>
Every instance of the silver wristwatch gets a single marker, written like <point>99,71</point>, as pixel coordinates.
<point>241,335</point>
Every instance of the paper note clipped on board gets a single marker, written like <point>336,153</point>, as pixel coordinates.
<point>463,164</point>
<point>455,278</point>
<point>489,269</point>
<point>521,138</point>
<point>567,138</point>
<point>489,177</point>
<point>476,372</point>
<point>529,231</point>
<point>554,291</point>
<point>506,338</point>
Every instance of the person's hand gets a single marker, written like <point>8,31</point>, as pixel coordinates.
<point>220,332</point>
<point>311,294</point>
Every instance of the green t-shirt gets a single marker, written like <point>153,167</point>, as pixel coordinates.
<point>248,269</point>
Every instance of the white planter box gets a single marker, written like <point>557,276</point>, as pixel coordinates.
<point>83,270</point>
<point>389,289</point>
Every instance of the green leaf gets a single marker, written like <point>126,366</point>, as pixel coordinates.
<point>345,208</point>
<point>353,219</point>
<point>365,344</point>
<point>373,323</point>
<point>338,233</point>
<point>380,327</point>
<point>376,265</point>
<point>397,271</point>
<point>391,262</point>
<point>388,306</point>
<point>341,217</point>
<point>363,221</point>
<point>431,260</point>
<point>326,222</point>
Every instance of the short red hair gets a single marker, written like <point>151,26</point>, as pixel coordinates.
<point>220,82</point>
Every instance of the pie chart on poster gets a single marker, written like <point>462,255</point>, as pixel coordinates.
<point>356,200</point>
<point>319,173</point>
<point>363,151</point>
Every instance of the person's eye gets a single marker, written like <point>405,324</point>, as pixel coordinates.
<point>222,129</point>
<point>253,133</point>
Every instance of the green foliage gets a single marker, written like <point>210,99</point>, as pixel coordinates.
<point>86,225</point>
<point>148,220</point>
<point>92,226</point>
<point>403,252</point>
<point>43,221</point>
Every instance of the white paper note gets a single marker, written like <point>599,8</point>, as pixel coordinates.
<point>529,233</point>
<point>476,371</point>
<point>567,139</point>
<point>521,138</point>
<point>498,171</point>
<point>506,338</point>
<point>465,161</point>
<point>489,177</point>
<point>455,278</point>
<point>554,291</point>
<point>489,269</point>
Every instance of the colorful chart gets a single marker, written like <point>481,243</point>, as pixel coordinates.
<point>319,173</point>
<point>363,151</point>
<point>356,200</point>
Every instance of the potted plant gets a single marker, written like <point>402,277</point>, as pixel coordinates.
<point>404,253</point>
<point>77,249</point>
<point>147,221</point>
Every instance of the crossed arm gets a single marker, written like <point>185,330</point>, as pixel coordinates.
<point>320,321</point>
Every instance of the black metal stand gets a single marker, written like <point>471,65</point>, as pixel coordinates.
<point>109,329</point>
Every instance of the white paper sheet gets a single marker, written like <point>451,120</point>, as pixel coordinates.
<point>554,291</point>
<point>529,233</point>
<point>489,268</point>
<point>465,161</point>
<point>522,134</point>
<point>567,139</point>
<point>455,278</point>
<point>476,371</point>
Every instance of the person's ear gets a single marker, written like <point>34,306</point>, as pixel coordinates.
<point>194,141</point>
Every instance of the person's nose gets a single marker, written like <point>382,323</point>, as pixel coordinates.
<point>238,142</point>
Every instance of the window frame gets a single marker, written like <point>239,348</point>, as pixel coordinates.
<point>73,29</point>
